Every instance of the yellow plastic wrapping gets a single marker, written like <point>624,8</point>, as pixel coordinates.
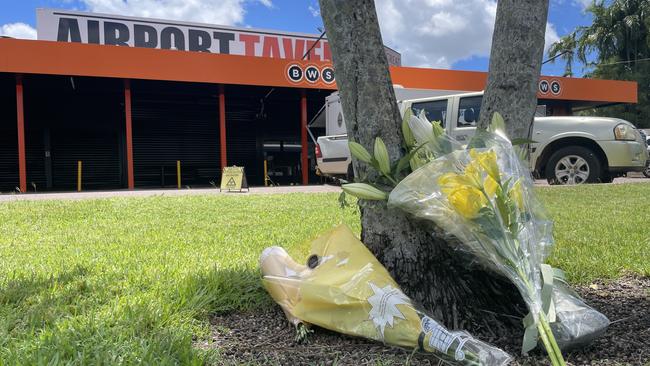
<point>345,289</point>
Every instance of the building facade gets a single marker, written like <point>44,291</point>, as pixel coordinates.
<point>129,98</point>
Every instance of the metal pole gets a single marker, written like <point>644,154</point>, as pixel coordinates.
<point>79,176</point>
<point>222,126</point>
<point>20,120</point>
<point>129,134</point>
<point>178,173</point>
<point>266,174</point>
<point>303,137</point>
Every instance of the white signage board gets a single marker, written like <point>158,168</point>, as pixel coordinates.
<point>117,30</point>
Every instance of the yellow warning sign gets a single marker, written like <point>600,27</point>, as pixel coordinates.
<point>233,178</point>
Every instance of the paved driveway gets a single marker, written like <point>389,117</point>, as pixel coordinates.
<point>166,192</point>
<point>254,190</point>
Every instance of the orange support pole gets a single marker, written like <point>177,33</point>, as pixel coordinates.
<point>178,174</point>
<point>129,134</point>
<point>303,137</point>
<point>20,119</point>
<point>222,127</point>
<point>79,176</point>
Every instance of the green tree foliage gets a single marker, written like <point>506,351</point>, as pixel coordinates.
<point>615,46</point>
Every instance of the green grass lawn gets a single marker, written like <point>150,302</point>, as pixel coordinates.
<point>132,280</point>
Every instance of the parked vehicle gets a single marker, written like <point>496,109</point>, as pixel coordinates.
<point>567,150</point>
<point>331,151</point>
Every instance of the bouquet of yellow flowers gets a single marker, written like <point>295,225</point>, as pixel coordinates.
<point>344,288</point>
<point>483,195</point>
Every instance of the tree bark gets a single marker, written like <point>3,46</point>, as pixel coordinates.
<point>515,65</point>
<point>418,255</point>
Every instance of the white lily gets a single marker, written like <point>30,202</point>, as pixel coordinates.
<point>421,128</point>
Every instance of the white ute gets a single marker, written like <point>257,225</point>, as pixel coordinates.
<point>567,150</point>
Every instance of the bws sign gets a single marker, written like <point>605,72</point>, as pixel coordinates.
<point>70,26</point>
<point>552,87</point>
<point>310,74</point>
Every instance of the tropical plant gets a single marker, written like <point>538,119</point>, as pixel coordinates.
<point>615,46</point>
<point>564,49</point>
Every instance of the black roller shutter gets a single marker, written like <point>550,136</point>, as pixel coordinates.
<point>168,128</point>
<point>8,134</point>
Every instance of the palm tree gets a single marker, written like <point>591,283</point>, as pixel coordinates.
<point>615,46</point>
<point>565,49</point>
<point>619,32</point>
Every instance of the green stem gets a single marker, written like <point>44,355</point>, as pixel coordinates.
<point>551,338</point>
<point>545,332</point>
<point>391,179</point>
<point>547,344</point>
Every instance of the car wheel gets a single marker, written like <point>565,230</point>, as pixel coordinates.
<point>573,165</point>
<point>646,171</point>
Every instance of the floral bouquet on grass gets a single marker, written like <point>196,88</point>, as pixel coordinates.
<point>483,195</point>
<point>344,288</point>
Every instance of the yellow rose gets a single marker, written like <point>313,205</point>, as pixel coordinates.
<point>467,201</point>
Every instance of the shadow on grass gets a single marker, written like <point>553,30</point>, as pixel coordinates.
<point>32,302</point>
<point>18,290</point>
<point>92,325</point>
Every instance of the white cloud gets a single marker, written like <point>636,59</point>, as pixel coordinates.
<point>314,10</point>
<point>437,33</point>
<point>223,12</point>
<point>18,30</point>
<point>583,4</point>
<point>550,37</point>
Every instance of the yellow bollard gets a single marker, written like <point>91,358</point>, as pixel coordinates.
<point>266,174</point>
<point>79,176</point>
<point>178,173</point>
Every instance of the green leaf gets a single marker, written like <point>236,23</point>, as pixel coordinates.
<point>359,152</point>
<point>343,203</point>
<point>381,155</point>
<point>409,139</point>
<point>530,338</point>
<point>364,191</point>
<point>497,124</point>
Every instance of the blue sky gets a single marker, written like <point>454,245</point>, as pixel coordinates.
<point>458,39</point>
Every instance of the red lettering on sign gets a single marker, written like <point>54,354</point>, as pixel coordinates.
<point>249,43</point>
<point>327,54</point>
<point>293,53</point>
<point>312,53</point>
<point>270,47</point>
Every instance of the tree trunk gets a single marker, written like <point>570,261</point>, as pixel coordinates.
<point>515,64</point>
<point>418,255</point>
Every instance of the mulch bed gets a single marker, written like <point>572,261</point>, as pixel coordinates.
<point>267,338</point>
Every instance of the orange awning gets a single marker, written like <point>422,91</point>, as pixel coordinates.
<point>58,58</point>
